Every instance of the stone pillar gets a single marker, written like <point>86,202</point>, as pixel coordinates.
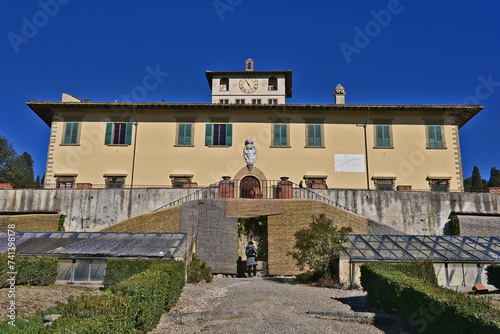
<point>226,187</point>
<point>285,188</point>
<point>404,188</point>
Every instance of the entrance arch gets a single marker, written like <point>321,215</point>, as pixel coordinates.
<point>250,187</point>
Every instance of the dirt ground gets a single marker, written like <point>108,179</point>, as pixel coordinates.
<point>31,299</point>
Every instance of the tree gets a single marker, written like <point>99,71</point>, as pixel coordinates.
<point>319,245</point>
<point>7,154</point>
<point>494,178</point>
<point>477,182</point>
<point>16,169</point>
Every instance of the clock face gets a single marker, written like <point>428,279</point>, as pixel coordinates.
<point>249,85</point>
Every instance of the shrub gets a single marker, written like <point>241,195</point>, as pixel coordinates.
<point>110,313</point>
<point>431,308</point>
<point>4,269</point>
<point>37,271</point>
<point>134,304</point>
<point>32,271</point>
<point>493,274</point>
<point>318,245</point>
<point>198,271</point>
<point>150,291</point>
<point>118,270</point>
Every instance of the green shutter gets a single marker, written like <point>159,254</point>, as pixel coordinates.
<point>276,135</point>
<point>208,135</point>
<point>314,135</point>
<point>184,135</point>
<point>310,135</point>
<point>432,136</point>
<point>181,134</point>
<point>435,136</point>
<point>317,134</point>
<point>229,134</point>
<point>387,136</point>
<point>71,133</point>
<point>280,135</point>
<point>383,136</point>
<point>109,134</point>
<point>439,136</point>
<point>74,134</point>
<point>187,136</point>
<point>128,134</point>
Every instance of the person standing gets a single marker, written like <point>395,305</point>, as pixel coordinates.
<point>251,253</point>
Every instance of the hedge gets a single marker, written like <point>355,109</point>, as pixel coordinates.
<point>118,270</point>
<point>428,307</point>
<point>33,271</point>
<point>132,305</point>
<point>110,313</point>
<point>493,274</point>
<point>37,271</point>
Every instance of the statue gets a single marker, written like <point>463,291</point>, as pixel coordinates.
<point>250,152</point>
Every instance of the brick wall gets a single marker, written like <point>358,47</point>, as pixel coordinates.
<point>297,214</point>
<point>6,186</point>
<point>215,234</point>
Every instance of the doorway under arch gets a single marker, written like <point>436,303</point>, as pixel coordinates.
<point>250,187</point>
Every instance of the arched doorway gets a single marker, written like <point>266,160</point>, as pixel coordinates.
<point>250,187</point>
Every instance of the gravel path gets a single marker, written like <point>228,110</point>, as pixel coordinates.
<point>266,305</point>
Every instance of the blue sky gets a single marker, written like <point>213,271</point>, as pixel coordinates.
<point>382,52</point>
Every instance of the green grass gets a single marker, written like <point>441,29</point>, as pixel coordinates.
<point>32,324</point>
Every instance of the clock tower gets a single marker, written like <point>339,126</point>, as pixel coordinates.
<point>250,86</point>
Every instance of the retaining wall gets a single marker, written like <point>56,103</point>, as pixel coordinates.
<point>93,209</point>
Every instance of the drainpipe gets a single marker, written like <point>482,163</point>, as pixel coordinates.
<point>135,146</point>
<point>366,149</point>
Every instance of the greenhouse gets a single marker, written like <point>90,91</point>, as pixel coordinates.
<point>83,255</point>
<point>458,260</point>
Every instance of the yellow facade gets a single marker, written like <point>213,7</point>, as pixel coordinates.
<point>154,156</point>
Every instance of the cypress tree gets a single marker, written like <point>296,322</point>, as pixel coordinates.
<point>477,183</point>
<point>494,178</point>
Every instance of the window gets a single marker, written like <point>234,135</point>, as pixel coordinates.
<point>224,84</point>
<point>81,270</point>
<point>181,181</point>
<point>118,134</point>
<point>184,134</point>
<point>384,184</point>
<point>272,101</point>
<point>383,133</point>
<point>114,182</point>
<point>316,181</point>
<point>280,135</point>
<point>256,101</point>
<point>240,101</point>
<point>224,101</point>
<point>71,133</point>
<point>439,184</point>
<point>273,83</point>
<point>219,135</point>
<point>435,136</point>
<point>65,182</point>
<point>314,136</point>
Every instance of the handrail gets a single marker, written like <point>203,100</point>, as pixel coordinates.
<point>322,198</point>
<point>190,197</point>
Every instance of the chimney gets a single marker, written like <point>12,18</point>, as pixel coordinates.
<point>339,94</point>
<point>249,65</point>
